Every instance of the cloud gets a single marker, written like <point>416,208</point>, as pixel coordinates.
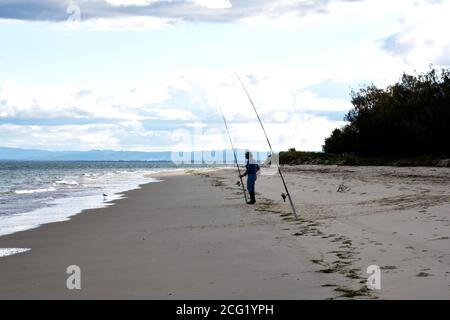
<point>82,137</point>
<point>189,97</point>
<point>180,112</point>
<point>50,102</point>
<point>212,4</point>
<point>301,99</point>
<point>422,37</point>
<point>168,10</point>
<point>130,2</point>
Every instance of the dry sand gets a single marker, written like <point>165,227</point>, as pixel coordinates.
<point>192,237</point>
<point>396,218</point>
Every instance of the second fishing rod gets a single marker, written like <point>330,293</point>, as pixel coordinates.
<point>234,151</point>
<point>270,146</point>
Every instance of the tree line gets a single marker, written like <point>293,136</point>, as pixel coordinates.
<point>409,118</point>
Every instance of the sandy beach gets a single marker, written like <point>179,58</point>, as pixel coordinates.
<point>191,236</point>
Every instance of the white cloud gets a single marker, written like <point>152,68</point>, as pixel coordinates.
<point>136,103</point>
<point>276,95</point>
<point>76,137</point>
<point>211,4</point>
<point>122,24</point>
<point>131,2</point>
<point>303,133</point>
<point>283,105</point>
<point>422,36</point>
<point>139,22</point>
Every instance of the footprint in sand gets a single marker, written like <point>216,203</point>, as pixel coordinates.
<point>441,238</point>
<point>388,268</point>
<point>423,274</point>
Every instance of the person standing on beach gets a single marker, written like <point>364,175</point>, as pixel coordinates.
<point>251,169</point>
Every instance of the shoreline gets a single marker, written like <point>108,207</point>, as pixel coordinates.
<point>192,237</point>
<point>63,209</point>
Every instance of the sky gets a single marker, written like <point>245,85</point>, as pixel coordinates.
<point>149,75</point>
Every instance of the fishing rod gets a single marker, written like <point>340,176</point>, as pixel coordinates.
<point>270,146</point>
<point>234,150</point>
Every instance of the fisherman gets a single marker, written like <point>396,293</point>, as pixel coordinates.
<point>251,168</point>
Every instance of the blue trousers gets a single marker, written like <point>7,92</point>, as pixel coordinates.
<point>251,179</point>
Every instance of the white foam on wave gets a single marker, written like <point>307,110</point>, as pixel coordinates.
<point>63,209</point>
<point>5,252</point>
<point>67,183</point>
<point>31,191</point>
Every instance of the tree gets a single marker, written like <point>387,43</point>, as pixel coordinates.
<point>409,118</point>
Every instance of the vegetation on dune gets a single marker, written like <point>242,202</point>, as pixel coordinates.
<point>320,158</point>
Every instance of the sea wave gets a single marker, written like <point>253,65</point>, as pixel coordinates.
<point>55,191</point>
<point>31,191</point>
<point>66,183</point>
<point>4,252</point>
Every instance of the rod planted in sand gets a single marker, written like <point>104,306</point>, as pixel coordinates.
<point>234,150</point>
<point>270,146</point>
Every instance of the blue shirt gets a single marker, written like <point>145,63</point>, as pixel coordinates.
<point>251,168</point>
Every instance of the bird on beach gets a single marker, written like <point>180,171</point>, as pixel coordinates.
<point>105,196</point>
<point>283,195</point>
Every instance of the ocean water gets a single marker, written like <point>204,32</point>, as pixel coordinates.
<point>35,193</point>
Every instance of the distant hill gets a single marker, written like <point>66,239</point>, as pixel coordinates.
<point>93,155</point>
<point>17,154</point>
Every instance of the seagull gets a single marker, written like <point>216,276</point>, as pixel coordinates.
<point>104,196</point>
